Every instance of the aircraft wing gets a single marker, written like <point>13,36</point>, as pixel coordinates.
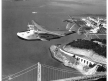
<point>39,28</point>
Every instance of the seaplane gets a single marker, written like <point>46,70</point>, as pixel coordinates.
<point>37,32</point>
<point>85,56</point>
<point>87,25</point>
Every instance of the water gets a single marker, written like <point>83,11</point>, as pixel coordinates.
<point>18,54</point>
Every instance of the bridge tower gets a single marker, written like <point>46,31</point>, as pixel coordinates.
<point>39,72</point>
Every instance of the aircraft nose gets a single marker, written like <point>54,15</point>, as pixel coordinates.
<point>20,34</point>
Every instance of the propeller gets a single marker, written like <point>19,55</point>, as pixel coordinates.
<point>69,27</point>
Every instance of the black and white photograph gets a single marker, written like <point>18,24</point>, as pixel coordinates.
<point>54,40</point>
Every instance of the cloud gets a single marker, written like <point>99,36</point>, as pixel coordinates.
<point>80,6</point>
<point>69,4</point>
<point>63,4</point>
<point>84,2</point>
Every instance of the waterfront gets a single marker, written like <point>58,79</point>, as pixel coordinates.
<point>18,54</point>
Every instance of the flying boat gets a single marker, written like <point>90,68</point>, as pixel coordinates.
<point>37,32</point>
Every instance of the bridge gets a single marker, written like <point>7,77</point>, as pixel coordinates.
<point>42,72</point>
